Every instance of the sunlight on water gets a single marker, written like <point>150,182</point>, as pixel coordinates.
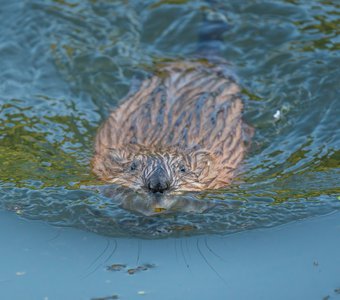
<point>65,64</point>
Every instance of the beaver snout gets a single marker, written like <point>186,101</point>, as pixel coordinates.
<point>158,182</point>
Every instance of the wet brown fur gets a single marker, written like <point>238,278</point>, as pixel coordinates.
<point>188,116</point>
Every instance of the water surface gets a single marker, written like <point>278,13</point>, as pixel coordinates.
<point>65,64</point>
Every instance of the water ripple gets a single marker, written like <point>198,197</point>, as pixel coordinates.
<point>65,64</point>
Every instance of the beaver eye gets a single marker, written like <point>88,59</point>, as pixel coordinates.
<point>133,166</point>
<point>182,168</point>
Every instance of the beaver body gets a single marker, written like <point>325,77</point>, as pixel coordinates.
<point>181,131</point>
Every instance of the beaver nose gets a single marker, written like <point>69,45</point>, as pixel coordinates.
<point>158,183</point>
<point>158,187</point>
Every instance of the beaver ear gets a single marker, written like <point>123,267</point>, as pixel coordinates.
<point>199,159</point>
<point>200,155</point>
<point>119,155</point>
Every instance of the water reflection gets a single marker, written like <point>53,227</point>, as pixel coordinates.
<point>150,204</point>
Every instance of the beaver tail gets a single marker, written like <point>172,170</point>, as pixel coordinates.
<point>211,32</point>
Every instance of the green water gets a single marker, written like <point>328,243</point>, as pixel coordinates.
<point>65,64</point>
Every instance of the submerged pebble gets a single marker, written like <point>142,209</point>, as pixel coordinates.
<point>20,273</point>
<point>143,267</point>
<point>116,267</point>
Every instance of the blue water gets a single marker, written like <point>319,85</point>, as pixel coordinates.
<point>295,261</point>
<point>65,64</point>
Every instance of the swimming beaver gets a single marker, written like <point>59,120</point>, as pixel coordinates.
<point>181,131</point>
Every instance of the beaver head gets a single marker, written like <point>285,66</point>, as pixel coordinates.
<point>182,130</point>
<point>156,171</point>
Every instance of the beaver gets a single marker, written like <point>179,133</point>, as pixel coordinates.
<point>182,130</point>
